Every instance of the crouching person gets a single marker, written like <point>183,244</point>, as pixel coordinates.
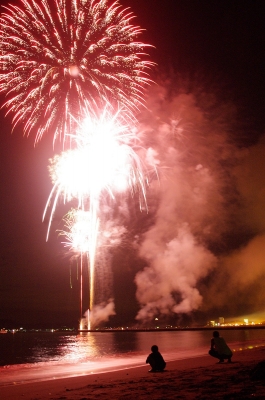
<point>219,348</point>
<point>156,360</point>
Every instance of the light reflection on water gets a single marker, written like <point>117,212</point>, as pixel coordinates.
<point>80,347</point>
<point>28,356</point>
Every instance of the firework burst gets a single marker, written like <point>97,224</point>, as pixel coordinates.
<point>104,161</point>
<point>77,231</point>
<point>57,57</point>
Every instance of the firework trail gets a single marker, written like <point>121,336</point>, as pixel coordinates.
<point>87,241</point>
<point>103,162</point>
<point>81,234</point>
<point>57,57</point>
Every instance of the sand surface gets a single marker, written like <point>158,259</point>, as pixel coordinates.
<point>194,378</point>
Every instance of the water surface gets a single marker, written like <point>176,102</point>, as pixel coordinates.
<point>28,356</point>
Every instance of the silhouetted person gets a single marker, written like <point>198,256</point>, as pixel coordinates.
<point>219,348</point>
<point>156,360</point>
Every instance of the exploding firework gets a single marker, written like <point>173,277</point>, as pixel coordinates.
<point>57,57</point>
<point>104,161</point>
<point>77,231</point>
<point>59,60</point>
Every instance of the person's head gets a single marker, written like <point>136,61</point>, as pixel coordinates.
<point>216,334</point>
<point>154,348</point>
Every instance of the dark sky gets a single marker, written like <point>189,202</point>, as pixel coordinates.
<point>223,38</point>
<point>217,40</point>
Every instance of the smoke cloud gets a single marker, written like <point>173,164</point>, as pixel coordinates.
<point>100,313</point>
<point>204,197</point>
<point>168,284</point>
<point>250,181</point>
<point>237,285</point>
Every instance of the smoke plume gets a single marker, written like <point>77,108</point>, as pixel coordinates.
<point>237,285</point>
<point>100,313</point>
<point>176,264</point>
<point>201,198</point>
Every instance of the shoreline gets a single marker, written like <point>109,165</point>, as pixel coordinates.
<point>111,330</point>
<point>191,378</point>
<point>202,328</point>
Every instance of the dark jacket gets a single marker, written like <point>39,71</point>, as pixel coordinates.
<point>156,361</point>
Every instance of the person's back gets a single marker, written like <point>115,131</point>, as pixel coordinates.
<point>156,360</point>
<point>219,348</point>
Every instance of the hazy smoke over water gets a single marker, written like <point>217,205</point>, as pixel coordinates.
<point>102,312</point>
<point>203,192</point>
<point>176,264</point>
<point>239,281</point>
<point>237,284</point>
<point>250,178</point>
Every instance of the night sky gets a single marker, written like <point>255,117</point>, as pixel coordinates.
<point>213,52</point>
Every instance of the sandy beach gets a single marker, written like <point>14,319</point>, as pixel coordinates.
<point>194,378</point>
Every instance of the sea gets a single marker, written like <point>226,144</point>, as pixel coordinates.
<point>34,356</point>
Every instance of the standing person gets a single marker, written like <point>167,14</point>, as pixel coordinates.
<point>156,360</point>
<point>219,348</point>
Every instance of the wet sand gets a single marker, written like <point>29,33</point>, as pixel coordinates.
<point>194,378</point>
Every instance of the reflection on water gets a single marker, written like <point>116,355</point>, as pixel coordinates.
<point>44,355</point>
<point>81,347</point>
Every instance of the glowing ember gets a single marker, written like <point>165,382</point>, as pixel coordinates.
<point>74,71</point>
